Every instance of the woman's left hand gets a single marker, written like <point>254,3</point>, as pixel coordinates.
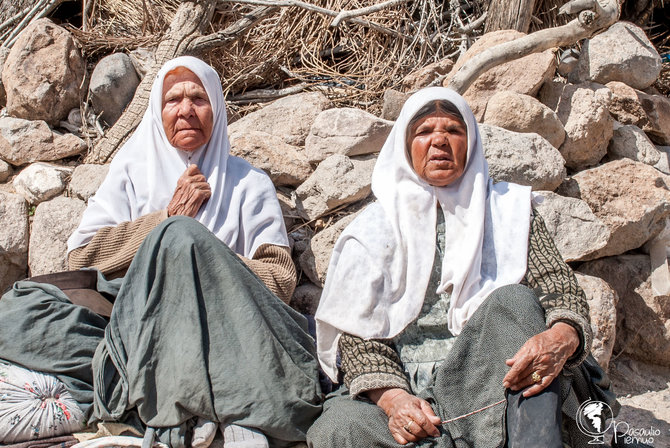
<point>544,353</point>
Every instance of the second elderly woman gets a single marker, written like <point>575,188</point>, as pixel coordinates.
<point>198,337</point>
<point>447,310</point>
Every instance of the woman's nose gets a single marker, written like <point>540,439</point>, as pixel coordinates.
<point>439,139</point>
<point>186,107</point>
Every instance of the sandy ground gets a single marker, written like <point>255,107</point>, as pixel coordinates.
<point>644,394</point>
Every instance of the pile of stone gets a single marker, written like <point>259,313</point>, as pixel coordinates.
<point>593,141</point>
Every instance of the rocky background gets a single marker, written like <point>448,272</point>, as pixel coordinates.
<point>587,129</point>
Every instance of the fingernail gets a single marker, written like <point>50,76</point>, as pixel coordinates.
<point>505,384</point>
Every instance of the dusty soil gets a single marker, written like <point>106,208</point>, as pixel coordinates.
<point>644,394</point>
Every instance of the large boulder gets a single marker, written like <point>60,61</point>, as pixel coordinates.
<point>422,77</point>
<point>643,318</point>
<point>603,302</point>
<point>621,53</point>
<point>337,181</point>
<point>284,163</point>
<point>651,113</point>
<point>113,84</point>
<point>13,239</point>
<point>576,231</point>
<point>27,141</point>
<point>523,113</point>
<point>40,182</point>
<point>632,199</point>
<point>526,159</point>
<point>289,118</point>
<point>44,73</point>
<point>525,75</point>
<point>630,142</point>
<point>86,180</point>
<point>583,110</point>
<point>53,224</point>
<point>347,131</point>
<point>315,259</point>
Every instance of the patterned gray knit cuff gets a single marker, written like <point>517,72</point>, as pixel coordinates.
<point>580,324</point>
<point>371,381</point>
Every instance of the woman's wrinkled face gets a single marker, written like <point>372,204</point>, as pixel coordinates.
<point>187,114</point>
<point>438,145</point>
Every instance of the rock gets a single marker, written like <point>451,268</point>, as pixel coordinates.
<point>651,113</point>
<point>142,59</point>
<point>289,118</point>
<point>44,73</point>
<point>602,309</point>
<point>522,113</point>
<point>567,61</point>
<point>53,224</point>
<point>643,319</point>
<point>632,199</point>
<point>86,180</point>
<point>621,53</point>
<point>314,260</point>
<point>525,75</point>
<point>663,163</point>
<point>26,141</point>
<point>526,159</point>
<point>347,131</point>
<point>4,52</point>
<point>13,239</point>
<point>41,182</point>
<point>422,77</point>
<point>306,298</point>
<point>284,163</point>
<point>288,210</point>
<point>631,142</point>
<point>337,181</point>
<point>5,170</point>
<point>393,102</point>
<point>576,231</point>
<point>583,110</point>
<point>113,84</point>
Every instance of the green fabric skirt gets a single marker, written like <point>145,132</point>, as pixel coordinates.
<point>193,333</point>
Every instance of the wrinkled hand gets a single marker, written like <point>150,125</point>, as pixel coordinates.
<point>192,191</point>
<point>544,353</point>
<point>405,410</point>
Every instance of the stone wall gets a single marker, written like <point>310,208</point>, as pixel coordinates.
<point>592,143</point>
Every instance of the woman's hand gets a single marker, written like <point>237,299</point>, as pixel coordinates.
<point>192,191</point>
<point>410,418</point>
<point>544,353</point>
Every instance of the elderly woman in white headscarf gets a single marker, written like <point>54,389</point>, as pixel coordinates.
<point>447,311</point>
<point>198,337</point>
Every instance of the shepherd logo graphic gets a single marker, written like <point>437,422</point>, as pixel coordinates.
<point>594,419</point>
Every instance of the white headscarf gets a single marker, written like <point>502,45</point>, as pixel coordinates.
<point>243,210</point>
<point>381,264</point>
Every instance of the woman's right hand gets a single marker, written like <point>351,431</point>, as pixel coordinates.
<point>410,418</point>
<point>192,191</point>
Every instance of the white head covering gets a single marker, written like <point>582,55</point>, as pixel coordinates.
<point>243,210</point>
<point>381,264</point>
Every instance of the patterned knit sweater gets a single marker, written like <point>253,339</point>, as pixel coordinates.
<point>375,364</point>
<point>112,249</point>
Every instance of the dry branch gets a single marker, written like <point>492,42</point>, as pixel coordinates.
<point>601,15</point>
<point>347,15</point>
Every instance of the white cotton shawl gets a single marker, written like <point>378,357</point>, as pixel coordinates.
<point>381,264</point>
<point>243,210</point>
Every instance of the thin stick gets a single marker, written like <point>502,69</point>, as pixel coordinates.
<point>474,412</point>
<point>19,27</point>
<point>346,15</point>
